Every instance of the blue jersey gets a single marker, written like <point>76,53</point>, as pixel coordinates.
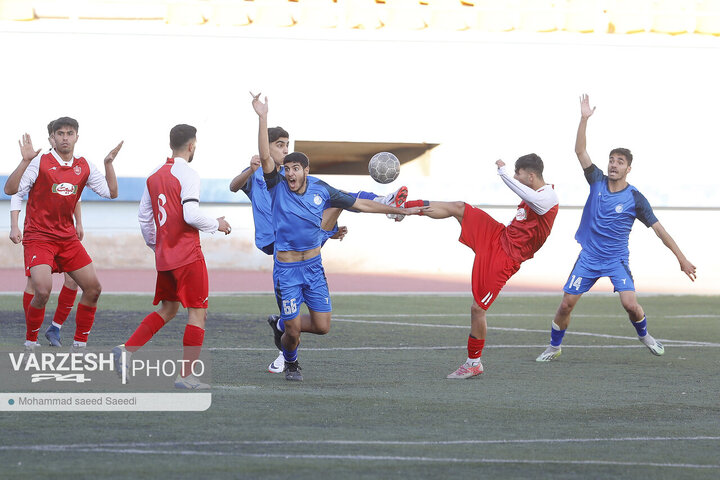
<point>297,219</point>
<point>261,202</point>
<point>608,218</point>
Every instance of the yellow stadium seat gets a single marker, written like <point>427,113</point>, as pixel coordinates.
<point>275,13</point>
<point>182,12</point>
<point>585,16</point>
<point>318,14</point>
<point>496,15</point>
<point>451,14</point>
<point>16,10</point>
<point>629,16</point>
<point>403,14</point>
<point>363,14</point>
<point>538,16</point>
<point>230,12</point>
<point>673,16</point>
<point>707,17</point>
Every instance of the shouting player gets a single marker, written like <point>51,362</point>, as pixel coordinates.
<point>607,218</point>
<point>54,182</point>
<point>499,250</point>
<point>170,221</point>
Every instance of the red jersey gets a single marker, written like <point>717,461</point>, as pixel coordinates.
<point>176,242</point>
<point>528,231</point>
<point>52,198</point>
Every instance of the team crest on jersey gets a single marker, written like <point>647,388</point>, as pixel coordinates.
<point>619,208</point>
<point>64,189</point>
<point>317,199</point>
<point>520,215</point>
<point>77,170</point>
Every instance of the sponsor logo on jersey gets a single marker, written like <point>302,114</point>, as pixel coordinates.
<point>619,208</point>
<point>520,215</point>
<point>317,199</point>
<point>64,189</point>
<point>77,169</point>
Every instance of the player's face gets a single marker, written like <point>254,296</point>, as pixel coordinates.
<point>65,139</point>
<point>296,176</point>
<point>524,176</point>
<point>278,149</point>
<point>618,167</point>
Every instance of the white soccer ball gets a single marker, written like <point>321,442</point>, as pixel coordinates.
<point>384,167</point>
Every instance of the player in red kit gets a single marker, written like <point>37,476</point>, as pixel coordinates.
<point>499,250</point>
<point>54,182</point>
<point>170,221</point>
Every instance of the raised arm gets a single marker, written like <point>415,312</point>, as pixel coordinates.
<point>263,141</point>
<point>110,176</point>
<point>580,141</point>
<point>28,153</point>
<point>685,265</point>
<point>239,181</point>
<point>540,201</point>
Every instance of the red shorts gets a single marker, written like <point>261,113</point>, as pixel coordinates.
<point>187,284</point>
<point>62,255</point>
<point>492,267</point>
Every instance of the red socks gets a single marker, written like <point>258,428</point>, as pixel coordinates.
<point>33,321</point>
<point>27,298</point>
<point>192,343</point>
<point>417,203</point>
<point>84,319</point>
<point>475,347</point>
<point>66,300</point>
<point>149,327</point>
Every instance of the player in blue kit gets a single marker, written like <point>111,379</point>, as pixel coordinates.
<point>252,182</point>
<point>298,204</point>
<point>607,218</point>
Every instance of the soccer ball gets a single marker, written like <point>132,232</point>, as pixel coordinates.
<point>384,167</point>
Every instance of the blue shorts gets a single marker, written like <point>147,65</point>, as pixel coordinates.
<point>585,273</point>
<point>298,282</point>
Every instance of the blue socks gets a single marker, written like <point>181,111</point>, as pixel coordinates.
<point>556,335</point>
<point>290,355</point>
<point>281,325</point>
<point>641,327</point>
<point>364,195</point>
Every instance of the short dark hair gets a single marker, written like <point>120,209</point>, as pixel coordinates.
<point>65,122</point>
<point>50,127</point>
<point>530,162</point>
<point>625,152</point>
<point>297,157</point>
<point>277,132</point>
<point>181,135</point>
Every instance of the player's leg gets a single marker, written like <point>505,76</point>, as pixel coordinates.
<point>440,209</point>
<point>192,345</point>
<point>87,280</point>
<point>28,293</point>
<point>290,342</point>
<point>66,301</point>
<point>475,344</point>
<point>628,299</point>
<point>288,282</point>
<point>41,279</point>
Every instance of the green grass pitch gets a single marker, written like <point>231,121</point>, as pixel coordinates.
<point>375,402</point>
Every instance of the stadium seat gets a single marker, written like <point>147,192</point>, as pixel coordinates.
<point>539,15</point>
<point>629,16</point>
<point>230,12</point>
<point>495,15</point>
<point>364,14</point>
<point>707,17</point>
<point>16,10</point>
<point>403,14</point>
<point>184,12</point>
<point>318,14</point>
<point>274,13</point>
<point>451,14</point>
<point>585,16</point>
<point>673,17</point>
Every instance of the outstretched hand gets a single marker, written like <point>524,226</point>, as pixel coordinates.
<point>688,268</point>
<point>499,163</point>
<point>26,148</point>
<point>585,110</point>
<point>113,153</point>
<point>260,108</point>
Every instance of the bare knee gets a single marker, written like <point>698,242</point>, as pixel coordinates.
<point>565,308</point>
<point>476,310</point>
<point>323,328</point>
<point>41,296</point>
<point>92,292</point>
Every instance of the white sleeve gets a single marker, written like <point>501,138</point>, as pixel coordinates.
<point>145,217</point>
<point>541,201</point>
<point>190,198</point>
<point>16,202</point>
<point>29,177</point>
<point>97,182</point>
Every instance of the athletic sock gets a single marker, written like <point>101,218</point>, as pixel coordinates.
<point>84,319</point>
<point>290,355</point>
<point>66,301</point>
<point>640,327</point>
<point>475,347</point>
<point>144,332</point>
<point>33,322</point>
<point>556,335</point>
<point>192,344</point>
<point>281,325</point>
<point>417,203</point>
<point>27,298</point>
<point>365,195</point>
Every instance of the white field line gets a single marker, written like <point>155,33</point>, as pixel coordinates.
<point>448,347</point>
<point>464,315</point>
<point>513,329</point>
<point>151,449</point>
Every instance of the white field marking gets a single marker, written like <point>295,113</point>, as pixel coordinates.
<point>465,315</point>
<point>449,347</point>
<point>194,443</point>
<point>515,329</point>
<point>376,458</point>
